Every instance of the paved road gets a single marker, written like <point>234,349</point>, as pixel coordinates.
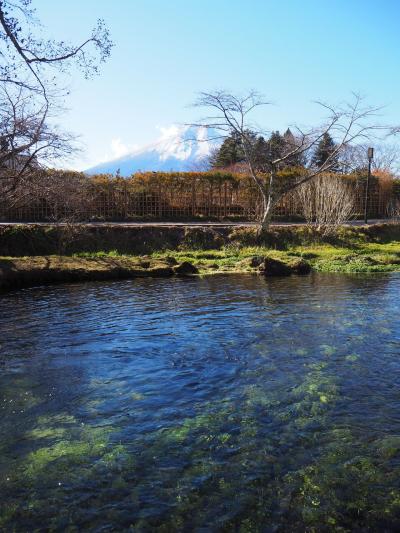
<point>185,224</point>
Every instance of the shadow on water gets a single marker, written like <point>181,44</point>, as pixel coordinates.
<point>223,403</point>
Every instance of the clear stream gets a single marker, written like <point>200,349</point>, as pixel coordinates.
<point>219,404</point>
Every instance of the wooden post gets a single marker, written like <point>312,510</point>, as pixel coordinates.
<point>225,199</point>
<point>194,197</point>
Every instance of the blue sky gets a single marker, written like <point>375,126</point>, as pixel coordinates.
<point>166,51</point>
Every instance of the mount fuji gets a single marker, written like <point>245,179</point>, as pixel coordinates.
<point>180,148</point>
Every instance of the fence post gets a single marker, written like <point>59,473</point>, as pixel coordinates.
<point>194,197</point>
<point>159,201</point>
<point>125,200</point>
<point>225,199</point>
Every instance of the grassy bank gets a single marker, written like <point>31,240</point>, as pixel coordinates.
<point>31,271</point>
<point>322,258</point>
<point>207,251</point>
<point>39,240</point>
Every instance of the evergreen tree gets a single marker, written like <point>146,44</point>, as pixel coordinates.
<point>295,160</point>
<point>276,145</point>
<point>280,146</point>
<point>325,149</point>
<point>230,152</point>
<point>261,154</point>
<point>263,151</point>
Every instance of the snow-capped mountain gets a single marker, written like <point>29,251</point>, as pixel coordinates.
<point>180,148</point>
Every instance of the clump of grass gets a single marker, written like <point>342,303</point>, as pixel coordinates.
<point>90,255</point>
<point>354,264</point>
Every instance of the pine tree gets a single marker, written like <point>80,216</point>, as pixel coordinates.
<point>261,154</point>
<point>325,149</point>
<point>230,152</point>
<point>262,151</point>
<point>276,146</point>
<point>280,146</point>
<point>291,143</point>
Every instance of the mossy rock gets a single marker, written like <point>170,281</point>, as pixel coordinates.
<point>185,269</point>
<point>256,261</point>
<point>275,268</point>
<point>301,267</point>
<point>171,260</point>
<point>160,271</point>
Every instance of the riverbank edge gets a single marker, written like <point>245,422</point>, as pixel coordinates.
<point>42,255</point>
<point>25,272</point>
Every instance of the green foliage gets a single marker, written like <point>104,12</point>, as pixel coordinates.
<point>261,151</point>
<point>229,153</point>
<point>323,151</point>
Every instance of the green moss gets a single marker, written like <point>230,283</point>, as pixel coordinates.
<point>327,349</point>
<point>116,454</point>
<point>389,446</point>
<point>352,358</point>
<point>301,351</point>
<point>46,433</point>
<point>65,442</point>
<point>7,513</point>
<point>137,396</point>
<point>39,460</point>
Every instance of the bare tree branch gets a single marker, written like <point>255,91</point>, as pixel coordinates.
<point>349,123</point>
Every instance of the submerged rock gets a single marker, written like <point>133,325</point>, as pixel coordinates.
<point>185,269</point>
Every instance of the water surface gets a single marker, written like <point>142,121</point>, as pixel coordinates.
<point>217,404</point>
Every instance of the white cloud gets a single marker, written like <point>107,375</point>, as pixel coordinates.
<point>169,131</point>
<point>119,149</point>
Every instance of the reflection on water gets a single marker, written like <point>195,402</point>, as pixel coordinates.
<point>227,403</point>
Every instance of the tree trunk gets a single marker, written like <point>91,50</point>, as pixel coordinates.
<point>268,205</point>
<point>266,217</point>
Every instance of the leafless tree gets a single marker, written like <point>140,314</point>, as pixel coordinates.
<point>327,201</point>
<point>30,61</point>
<point>347,124</point>
<point>31,69</point>
<point>28,143</point>
<point>386,158</point>
<point>68,194</point>
<point>393,209</point>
